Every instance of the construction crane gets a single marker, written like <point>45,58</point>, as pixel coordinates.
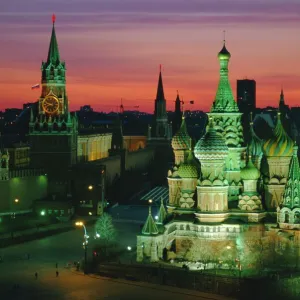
<point>121,107</point>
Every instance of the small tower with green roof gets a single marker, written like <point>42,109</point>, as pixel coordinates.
<point>212,189</point>
<point>181,143</point>
<point>162,213</point>
<point>288,213</point>
<point>278,151</point>
<point>148,241</point>
<point>250,199</point>
<point>227,119</point>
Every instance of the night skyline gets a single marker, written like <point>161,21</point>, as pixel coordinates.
<point>113,50</point>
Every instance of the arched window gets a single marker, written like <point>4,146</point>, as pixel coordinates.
<point>286,217</point>
<point>297,217</point>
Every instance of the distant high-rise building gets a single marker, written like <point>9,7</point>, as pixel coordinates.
<point>246,95</point>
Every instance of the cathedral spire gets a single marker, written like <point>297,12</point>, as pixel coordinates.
<point>281,100</point>
<point>160,89</point>
<point>150,227</point>
<point>53,53</point>
<point>224,101</point>
<point>290,196</point>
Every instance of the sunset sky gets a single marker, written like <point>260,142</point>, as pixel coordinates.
<point>113,48</point>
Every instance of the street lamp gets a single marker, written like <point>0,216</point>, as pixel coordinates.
<point>90,187</point>
<point>150,201</point>
<point>13,216</point>
<point>84,243</point>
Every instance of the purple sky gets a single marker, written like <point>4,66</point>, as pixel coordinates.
<point>112,49</point>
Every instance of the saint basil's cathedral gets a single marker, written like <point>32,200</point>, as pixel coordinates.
<point>225,196</point>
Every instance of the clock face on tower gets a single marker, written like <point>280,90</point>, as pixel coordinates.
<point>50,105</point>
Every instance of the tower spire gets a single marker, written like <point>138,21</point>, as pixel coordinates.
<point>53,53</point>
<point>224,100</point>
<point>160,89</point>
<point>149,227</point>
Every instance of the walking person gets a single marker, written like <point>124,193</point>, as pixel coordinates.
<point>57,273</point>
<point>36,275</point>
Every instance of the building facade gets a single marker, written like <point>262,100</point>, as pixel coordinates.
<point>216,213</point>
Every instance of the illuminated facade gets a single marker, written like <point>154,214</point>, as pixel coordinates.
<point>217,212</point>
<point>93,146</point>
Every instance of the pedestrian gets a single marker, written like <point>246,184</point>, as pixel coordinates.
<point>57,273</point>
<point>56,265</point>
<point>36,275</point>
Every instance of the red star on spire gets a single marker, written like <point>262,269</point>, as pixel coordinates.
<point>53,18</point>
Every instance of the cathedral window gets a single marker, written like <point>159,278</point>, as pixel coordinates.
<point>297,217</point>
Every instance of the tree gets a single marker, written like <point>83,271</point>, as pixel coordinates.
<point>106,229</point>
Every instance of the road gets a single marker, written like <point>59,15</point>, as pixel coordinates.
<point>67,247</point>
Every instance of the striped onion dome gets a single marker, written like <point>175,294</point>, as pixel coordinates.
<point>211,146</point>
<point>181,140</point>
<point>255,144</point>
<point>280,144</point>
<point>188,169</point>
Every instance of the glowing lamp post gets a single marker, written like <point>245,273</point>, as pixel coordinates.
<point>80,224</point>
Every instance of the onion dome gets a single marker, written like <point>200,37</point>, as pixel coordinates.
<point>250,172</point>
<point>255,144</point>
<point>224,53</point>
<point>181,140</point>
<point>211,145</point>
<point>188,169</point>
<point>280,144</point>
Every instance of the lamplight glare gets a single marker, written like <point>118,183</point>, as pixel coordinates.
<point>16,200</point>
<point>90,213</point>
<point>228,247</point>
<point>128,248</point>
<point>156,217</point>
<point>90,187</point>
<point>78,223</point>
<point>150,200</point>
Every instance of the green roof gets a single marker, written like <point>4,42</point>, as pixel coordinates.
<point>162,214</point>
<point>211,144</point>
<point>149,227</point>
<point>224,100</point>
<point>188,169</point>
<point>53,53</point>
<point>255,144</point>
<point>292,188</point>
<point>250,172</point>
<point>280,144</point>
<point>181,140</point>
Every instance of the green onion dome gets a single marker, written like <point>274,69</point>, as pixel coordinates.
<point>255,144</point>
<point>224,54</point>
<point>280,144</point>
<point>181,140</point>
<point>188,169</point>
<point>250,172</point>
<point>211,146</point>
